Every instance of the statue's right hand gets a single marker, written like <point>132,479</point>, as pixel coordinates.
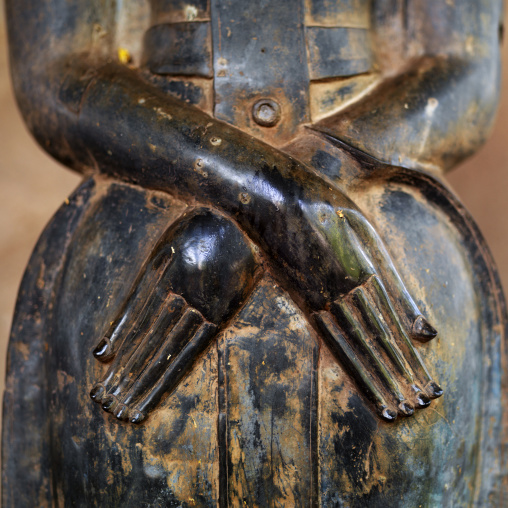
<point>197,275</point>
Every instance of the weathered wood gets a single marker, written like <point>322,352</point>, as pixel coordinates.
<point>237,307</point>
<point>270,431</point>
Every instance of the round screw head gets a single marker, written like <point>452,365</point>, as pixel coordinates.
<point>266,112</point>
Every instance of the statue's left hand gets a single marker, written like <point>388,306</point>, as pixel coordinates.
<point>370,320</point>
<point>156,353</point>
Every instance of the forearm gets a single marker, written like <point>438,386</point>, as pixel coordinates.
<point>136,133</point>
<point>97,115</point>
<point>106,119</point>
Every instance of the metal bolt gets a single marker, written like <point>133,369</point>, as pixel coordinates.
<point>266,112</point>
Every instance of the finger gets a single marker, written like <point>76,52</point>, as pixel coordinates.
<point>350,254</point>
<point>133,308</point>
<point>431,389</point>
<point>419,327</point>
<point>173,341</point>
<point>172,369</point>
<point>383,334</point>
<point>354,325</point>
<point>422,330</point>
<point>168,318</point>
<point>158,314</point>
<point>387,342</point>
<point>352,362</point>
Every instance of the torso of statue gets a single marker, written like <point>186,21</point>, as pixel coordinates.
<point>229,58</point>
<point>237,305</point>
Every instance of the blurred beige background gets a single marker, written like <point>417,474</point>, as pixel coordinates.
<point>32,186</point>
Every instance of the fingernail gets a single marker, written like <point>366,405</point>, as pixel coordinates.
<point>406,408</point>
<point>103,349</point>
<point>423,330</point>
<point>388,414</point>
<point>122,412</point>
<point>422,400</point>
<point>434,390</point>
<point>97,392</point>
<point>136,416</point>
<point>109,403</point>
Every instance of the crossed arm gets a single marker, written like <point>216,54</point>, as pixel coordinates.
<point>94,114</point>
<point>437,103</point>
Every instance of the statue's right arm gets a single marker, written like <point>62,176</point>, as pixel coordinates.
<point>96,115</point>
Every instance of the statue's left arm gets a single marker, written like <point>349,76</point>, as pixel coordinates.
<point>437,100</point>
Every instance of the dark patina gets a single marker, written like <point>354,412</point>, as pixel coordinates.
<point>250,281</point>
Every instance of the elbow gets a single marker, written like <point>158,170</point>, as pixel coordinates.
<point>468,113</point>
<point>48,96</point>
<point>431,117</point>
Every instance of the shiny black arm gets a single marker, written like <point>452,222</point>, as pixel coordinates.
<point>95,114</point>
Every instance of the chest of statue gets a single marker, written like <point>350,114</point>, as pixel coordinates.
<point>266,67</point>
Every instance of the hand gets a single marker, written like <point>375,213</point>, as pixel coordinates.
<point>371,324</point>
<point>198,274</point>
<point>176,308</point>
<point>155,355</point>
